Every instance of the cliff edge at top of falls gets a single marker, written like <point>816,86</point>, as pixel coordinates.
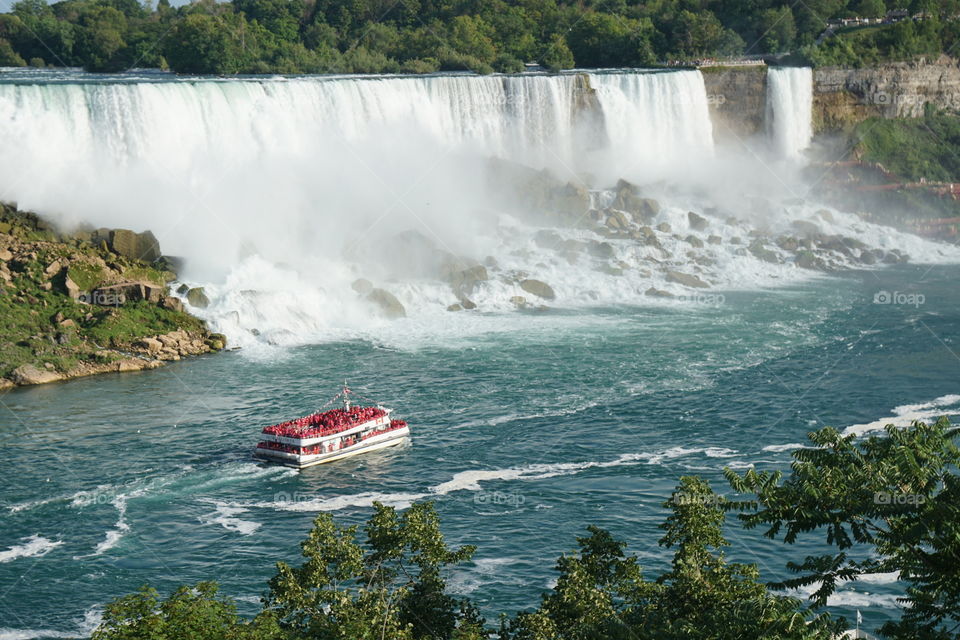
<point>842,97</point>
<point>79,304</point>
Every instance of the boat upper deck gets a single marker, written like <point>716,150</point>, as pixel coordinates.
<point>328,423</point>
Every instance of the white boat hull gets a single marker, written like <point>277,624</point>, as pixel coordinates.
<point>302,461</point>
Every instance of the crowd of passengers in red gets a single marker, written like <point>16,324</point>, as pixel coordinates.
<point>326,423</point>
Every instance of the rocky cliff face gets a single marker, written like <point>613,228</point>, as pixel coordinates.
<point>737,97</point>
<point>841,97</point>
<point>844,97</point>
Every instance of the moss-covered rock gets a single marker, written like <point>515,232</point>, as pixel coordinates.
<point>51,327</point>
<point>197,297</point>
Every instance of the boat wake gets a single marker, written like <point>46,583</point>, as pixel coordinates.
<point>473,479</point>
<point>226,517</point>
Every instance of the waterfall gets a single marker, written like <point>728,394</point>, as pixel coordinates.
<point>224,154</point>
<point>655,119</point>
<point>280,192</point>
<point>789,109</point>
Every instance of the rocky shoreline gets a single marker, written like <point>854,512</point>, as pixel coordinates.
<point>87,302</point>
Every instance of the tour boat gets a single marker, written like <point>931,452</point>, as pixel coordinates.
<point>331,435</point>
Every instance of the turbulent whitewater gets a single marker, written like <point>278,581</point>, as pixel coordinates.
<point>282,192</point>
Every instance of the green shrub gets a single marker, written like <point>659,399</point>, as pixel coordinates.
<point>506,63</point>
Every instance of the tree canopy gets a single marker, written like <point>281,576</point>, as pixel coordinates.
<point>419,36</point>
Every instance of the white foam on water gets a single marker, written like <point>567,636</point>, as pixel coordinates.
<point>720,452</point>
<point>120,528</point>
<point>880,578</point>
<point>91,620</point>
<point>471,480</point>
<point>32,546</point>
<point>119,497</point>
<point>75,499</point>
<point>226,517</point>
<point>780,448</point>
<point>465,580</point>
<point>847,596</point>
<point>905,414</point>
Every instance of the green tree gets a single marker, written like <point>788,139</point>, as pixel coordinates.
<point>886,503</point>
<point>557,55</point>
<point>469,36</point>
<point>9,57</point>
<point>391,587</point>
<point>101,41</point>
<point>601,593</point>
<point>204,43</point>
<point>601,40</point>
<point>197,612</point>
<point>779,30</point>
<point>871,8</point>
<point>279,17</point>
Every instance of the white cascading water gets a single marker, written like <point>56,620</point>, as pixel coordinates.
<point>790,109</point>
<point>655,121</point>
<point>281,192</point>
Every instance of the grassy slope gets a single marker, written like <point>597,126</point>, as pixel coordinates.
<point>30,329</point>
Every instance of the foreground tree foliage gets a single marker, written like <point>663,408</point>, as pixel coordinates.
<point>887,503</point>
<point>422,36</point>
<point>601,594</point>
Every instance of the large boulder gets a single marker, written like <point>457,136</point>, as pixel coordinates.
<point>628,199</point>
<point>686,280</point>
<point>388,303</point>
<point>27,374</point>
<point>600,249</point>
<point>538,288</point>
<point>657,293</point>
<point>171,303</point>
<point>696,221</point>
<point>197,297</point>
<point>806,228</point>
<point>150,345</point>
<point>135,246</point>
<point>71,288</point>
<point>152,292</point>
<point>760,251</point>
<point>464,281</point>
<point>362,286</point>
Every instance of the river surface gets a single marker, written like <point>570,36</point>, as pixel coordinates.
<point>526,428</point>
